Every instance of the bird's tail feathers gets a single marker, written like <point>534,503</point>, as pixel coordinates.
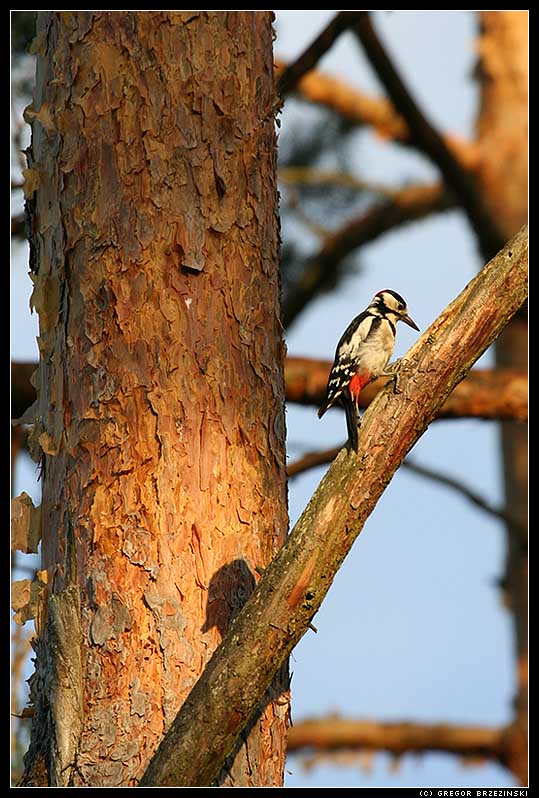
<point>322,410</point>
<point>352,422</point>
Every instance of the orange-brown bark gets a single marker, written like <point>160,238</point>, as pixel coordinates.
<point>485,393</point>
<point>160,417</point>
<point>502,124</point>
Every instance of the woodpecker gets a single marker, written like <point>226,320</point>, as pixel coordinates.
<point>362,355</point>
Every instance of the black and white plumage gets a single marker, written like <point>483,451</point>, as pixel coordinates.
<point>362,355</point>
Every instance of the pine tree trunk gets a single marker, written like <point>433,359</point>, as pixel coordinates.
<point>160,422</point>
<point>502,129</point>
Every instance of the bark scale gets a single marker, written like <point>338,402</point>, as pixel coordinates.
<point>159,420</point>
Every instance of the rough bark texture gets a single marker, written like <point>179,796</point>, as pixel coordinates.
<point>294,585</point>
<point>485,393</point>
<point>502,136</point>
<point>160,415</point>
<point>502,124</point>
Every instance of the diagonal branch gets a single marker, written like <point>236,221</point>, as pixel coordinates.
<point>408,204</point>
<point>293,586</point>
<point>427,138</point>
<point>325,456</point>
<point>290,76</point>
<point>359,108</point>
<point>500,394</point>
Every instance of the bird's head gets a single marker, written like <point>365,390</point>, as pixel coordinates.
<point>392,306</point>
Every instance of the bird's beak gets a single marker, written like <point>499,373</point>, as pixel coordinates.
<point>410,322</point>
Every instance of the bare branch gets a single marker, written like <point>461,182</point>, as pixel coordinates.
<point>500,394</point>
<point>359,108</point>
<point>310,176</point>
<point>293,586</point>
<point>335,733</point>
<point>409,204</point>
<point>312,460</point>
<point>325,456</point>
<point>314,52</point>
<point>427,138</point>
<point>455,484</point>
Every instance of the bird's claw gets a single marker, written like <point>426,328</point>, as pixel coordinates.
<point>393,372</point>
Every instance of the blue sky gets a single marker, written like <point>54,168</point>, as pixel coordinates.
<point>413,627</point>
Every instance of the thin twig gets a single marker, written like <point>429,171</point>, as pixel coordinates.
<point>312,460</point>
<point>293,204</point>
<point>455,484</point>
<point>309,176</point>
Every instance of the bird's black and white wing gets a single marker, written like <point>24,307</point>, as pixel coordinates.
<point>347,355</point>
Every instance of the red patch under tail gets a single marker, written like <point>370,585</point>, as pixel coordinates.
<point>357,383</point>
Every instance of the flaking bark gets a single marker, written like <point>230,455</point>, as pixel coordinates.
<point>159,421</point>
<point>294,585</point>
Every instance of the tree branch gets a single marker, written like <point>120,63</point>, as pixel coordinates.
<point>455,484</point>
<point>312,460</point>
<point>324,456</point>
<point>23,392</point>
<point>408,204</point>
<point>379,113</point>
<point>500,394</point>
<point>289,76</point>
<point>427,138</point>
<point>311,176</point>
<point>335,733</point>
<point>293,586</point>
<point>18,226</point>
